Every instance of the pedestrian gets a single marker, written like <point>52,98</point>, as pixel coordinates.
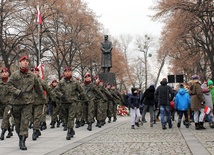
<point>211,88</point>
<point>197,102</point>
<point>163,95</point>
<point>68,89</point>
<point>149,102</point>
<point>208,102</point>
<point>134,103</point>
<point>182,104</point>
<point>5,108</point>
<point>24,84</point>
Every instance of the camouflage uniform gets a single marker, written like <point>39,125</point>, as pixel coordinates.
<point>5,109</point>
<point>55,108</point>
<point>117,99</point>
<point>103,105</point>
<point>39,114</point>
<point>68,90</point>
<point>23,85</point>
<point>92,92</point>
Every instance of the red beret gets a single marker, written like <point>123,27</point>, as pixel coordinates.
<point>87,75</point>
<point>68,68</point>
<point>4,69</point>
<point>23,58</point>
<point>101,81</point>
<point>54,81</point>
<point>96,77</point>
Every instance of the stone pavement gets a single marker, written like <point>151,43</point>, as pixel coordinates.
<point>117,138</point>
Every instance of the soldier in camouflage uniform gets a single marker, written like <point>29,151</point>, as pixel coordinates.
<point>109,97</point>
<point>68,90</point>
<point>23,84</point>
<point>110,103</point>
<point>92,92</point>
<point>5,108</point>
<point>55,107</point>
<point>79,110</point>
<point>38,106</point>
<point>117,99</point>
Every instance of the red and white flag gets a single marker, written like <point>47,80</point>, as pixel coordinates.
<point>39,17</point>
<point>41,71</point>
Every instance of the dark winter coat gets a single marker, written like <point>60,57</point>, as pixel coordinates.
<point>149,96</point>
<point>164,94</point>
<point>134,101</point>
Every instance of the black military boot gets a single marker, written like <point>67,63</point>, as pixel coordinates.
<point>34,135</point>
<point>9,133</point>
<point>109,120</point>
<point>22,143</point>
<point>89,126</point>
<point>43,126</point>
<point>65,128</point>
<point>72,132</point>
<point>53,124</point>
<point>82,122</point>
<point>115,119</point>
<point>2,133</point>
<point>57,123</point>
<point>99,125</point>
<point>77,124</point>
<point>69,135</point>
<point>38,133</point>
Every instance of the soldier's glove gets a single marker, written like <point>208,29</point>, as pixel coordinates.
<point>20,94</point>
<point>63,98</point>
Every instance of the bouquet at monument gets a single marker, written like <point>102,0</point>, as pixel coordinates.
<point>122,110</point>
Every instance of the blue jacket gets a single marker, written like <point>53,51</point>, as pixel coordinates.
<point>182,100</point>
<point>134,101</point>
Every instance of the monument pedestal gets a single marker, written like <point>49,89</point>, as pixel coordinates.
<point>108,77</point>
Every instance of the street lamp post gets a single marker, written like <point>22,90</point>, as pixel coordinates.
<point>146,55</point>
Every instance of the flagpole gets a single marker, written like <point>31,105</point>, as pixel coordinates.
<point>38,39</point>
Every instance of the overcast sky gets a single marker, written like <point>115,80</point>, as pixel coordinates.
<point>126,16</point>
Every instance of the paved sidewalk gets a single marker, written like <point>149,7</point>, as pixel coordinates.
<point>117,138</point>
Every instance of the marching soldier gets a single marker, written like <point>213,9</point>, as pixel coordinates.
<point>110,104</point>
<point>39,105</point>
<point>117,99</point>
<point>109,97</point>
<point>5,108</point>
<point>92,92</point>
<point>68,90</point>
<point>55,107</point>
<point>23,84</point>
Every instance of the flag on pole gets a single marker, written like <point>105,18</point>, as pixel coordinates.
<point>41,71</point>
<point>39,17</point>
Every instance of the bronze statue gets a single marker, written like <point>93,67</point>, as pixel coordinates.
<point>106,60</point>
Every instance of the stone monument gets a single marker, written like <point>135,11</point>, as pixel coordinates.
<point>106,62</point>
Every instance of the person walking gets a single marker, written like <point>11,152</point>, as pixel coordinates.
<point>197,102</point>
<point>182,104</point>
<point>24,84</point>
<point>134,103</point>
<point>149,102</point>
<point>163,95</point>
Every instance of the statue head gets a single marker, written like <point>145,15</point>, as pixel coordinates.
<point>106,37</point>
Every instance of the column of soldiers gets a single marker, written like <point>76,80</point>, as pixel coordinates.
<point>25,96</point>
